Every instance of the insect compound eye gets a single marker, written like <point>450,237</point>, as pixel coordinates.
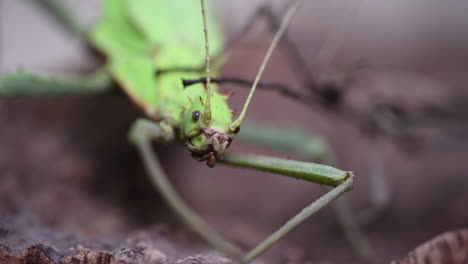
<point>196,115</point>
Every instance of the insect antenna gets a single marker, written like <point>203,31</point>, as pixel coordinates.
<point>207,110</point>
<point>234,126</point>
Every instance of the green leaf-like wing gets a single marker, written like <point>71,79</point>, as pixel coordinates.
<point>135,74</point>
<point>169,22</point>
<point>128,53</point>
<point>140,36</point>
<point>115,35</point>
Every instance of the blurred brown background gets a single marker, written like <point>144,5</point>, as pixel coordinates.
<point>66,161</point>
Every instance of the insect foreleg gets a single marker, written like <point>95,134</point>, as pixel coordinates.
<point>313,148</point>
<point>26,84</point>
<point>308,171</point>
<point>141,135</point>
<point>299,218</point>
<point>310,147</point>
<point>282,138</point>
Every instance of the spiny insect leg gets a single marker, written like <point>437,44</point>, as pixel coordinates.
<point>141,134</point>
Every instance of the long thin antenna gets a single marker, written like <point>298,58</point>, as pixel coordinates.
<point>207,110</point>
<point>284,24</point>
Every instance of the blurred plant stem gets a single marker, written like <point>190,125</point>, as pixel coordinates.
<point>63,16</point>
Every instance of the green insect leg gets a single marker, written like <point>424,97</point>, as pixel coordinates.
<point>141,134</point>
<point>314,148</point>
<point>308,171</point>
<point>27,84</point>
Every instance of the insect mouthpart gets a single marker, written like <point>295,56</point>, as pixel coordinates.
<point>216,144</point>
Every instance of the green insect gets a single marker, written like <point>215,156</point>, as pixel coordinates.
<point>147,56</point>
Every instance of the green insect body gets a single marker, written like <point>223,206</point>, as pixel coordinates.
<point>150,46</point>
<point>137,43</point>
